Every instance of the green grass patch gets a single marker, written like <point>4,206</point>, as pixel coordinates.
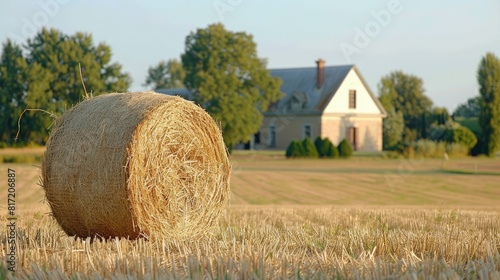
<point>258,152</point>
<point>359,154</point>
<point>469,172</point>
<point>27,155</point>
<point>27,158</point>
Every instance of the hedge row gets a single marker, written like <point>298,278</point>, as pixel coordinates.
<point>322,148</point>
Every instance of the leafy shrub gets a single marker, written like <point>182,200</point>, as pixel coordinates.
<point>345,149</point>
<point>408,151</point>
<point>429,149</point>
<point>321,146</point>
<point>457,150</point>
<point>289,150</point>
<point>453,132</point>
<point>309,148</point>
<point>398,148</point>
<point>463,135</point>
<point>391,155</point>
<point>325,148</point>
<point>300,148</point>
<point>425,148</point>
<point>331,151</point>
<point>295,150</point>
<point>432,149</point>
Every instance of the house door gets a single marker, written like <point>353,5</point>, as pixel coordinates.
<point>352,137</point>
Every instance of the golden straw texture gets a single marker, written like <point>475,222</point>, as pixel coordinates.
<point>136,164</point>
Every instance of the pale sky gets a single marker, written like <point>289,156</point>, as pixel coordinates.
<point>440,41</point>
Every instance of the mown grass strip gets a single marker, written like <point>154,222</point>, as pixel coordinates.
<point>469,172</point>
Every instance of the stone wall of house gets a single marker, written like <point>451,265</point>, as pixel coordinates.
<point>370,134</point>
<point>368,131</point>
<point>286,129</point>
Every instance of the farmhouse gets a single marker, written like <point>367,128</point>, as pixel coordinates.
<point>332,101</point>
<point>326,101</point>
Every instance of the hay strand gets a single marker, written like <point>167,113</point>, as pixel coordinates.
<point>52,115</point>
<point>86,96</point>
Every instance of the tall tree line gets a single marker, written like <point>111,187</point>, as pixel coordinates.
<point>44,73</point>
<point>410,115</point>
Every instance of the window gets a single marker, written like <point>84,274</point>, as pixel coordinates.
<point>306,132</point>
<point>298,101</point>
<point>272,136</point>
<point>352,99</point>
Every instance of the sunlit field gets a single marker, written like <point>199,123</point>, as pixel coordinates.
<point>362,218</point>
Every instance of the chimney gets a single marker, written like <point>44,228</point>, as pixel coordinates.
<point>320,72</point>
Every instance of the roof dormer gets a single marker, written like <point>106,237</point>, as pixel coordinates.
<point>297,101</point>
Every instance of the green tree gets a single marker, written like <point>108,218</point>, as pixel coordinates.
<point>21,86</point>
<point>229,80</point>
<point>468,109</point>
<point>35,124</point>
<point>439,115</point>
<point>393,128</point>
<point>405,93</point>
<point>12,88</point>
<point>488,77</point>
<point>63,56</point>
<point>47,77</point>
<point>345,149</point>
<point>309,148</point>
<point>166,74</point>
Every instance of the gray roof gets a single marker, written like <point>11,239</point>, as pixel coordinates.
<point>299,85</point>
<point>302,81</point>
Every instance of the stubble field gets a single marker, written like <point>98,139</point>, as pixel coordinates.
<point>364,218</point>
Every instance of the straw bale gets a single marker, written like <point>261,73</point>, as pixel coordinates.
<point>136,164</point>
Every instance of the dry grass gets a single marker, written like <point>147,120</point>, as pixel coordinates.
<point>429,225</point>
<point>22,151</point>
<point>280,243</point>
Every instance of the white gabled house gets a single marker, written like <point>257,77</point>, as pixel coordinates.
<point>333,102</point>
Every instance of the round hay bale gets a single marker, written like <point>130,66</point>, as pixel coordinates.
<point>136,164</point>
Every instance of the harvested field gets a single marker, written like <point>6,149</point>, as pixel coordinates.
<point>376,182</point>
<point>284,243</point>
<point>297,219</point>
